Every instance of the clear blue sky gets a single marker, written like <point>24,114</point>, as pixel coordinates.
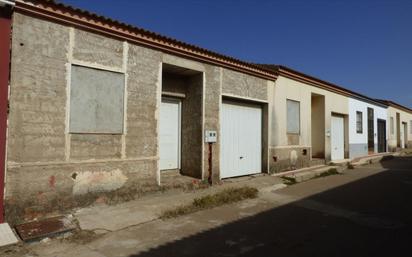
<point>365,46</point>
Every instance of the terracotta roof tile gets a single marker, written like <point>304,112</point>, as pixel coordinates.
<point>64,9</point>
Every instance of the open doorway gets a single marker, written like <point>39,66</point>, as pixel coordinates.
<point>318,126</point>
<point>381,136</point>
<point>180,122</point>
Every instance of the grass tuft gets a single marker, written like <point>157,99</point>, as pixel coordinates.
<point>289,180</point>
<point>226,196</point>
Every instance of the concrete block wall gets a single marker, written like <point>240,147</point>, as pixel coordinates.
<point>38,91</point>
<point>46,164</point>
<point>49,168</point>
<point>238,84</point>
<point>192,137</point>
<point>289,158</point>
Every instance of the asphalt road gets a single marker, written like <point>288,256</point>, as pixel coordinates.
<point>366,212</point>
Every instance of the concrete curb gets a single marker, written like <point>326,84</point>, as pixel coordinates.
<point>305,174</point>
<point>308,175</point>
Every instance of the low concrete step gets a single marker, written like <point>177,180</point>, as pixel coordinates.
<point>317,161</point>
<point>341,163</point>
<point>317,172</point>
<point>290,172</point>
<point>372,159</point>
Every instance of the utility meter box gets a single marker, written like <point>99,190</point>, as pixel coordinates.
<point>210,136</point>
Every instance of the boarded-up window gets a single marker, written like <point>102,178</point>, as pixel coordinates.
<point>96,101</point>
<point>359,123</point>
<point>293,117</point>
<point>392,126</point>
<point>410,127</point>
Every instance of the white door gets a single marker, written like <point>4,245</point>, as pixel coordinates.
<point>401,137</point>
<point>169,134</point>
<point>404,132</point>
<point>241,138</point>
<point>337,138</point>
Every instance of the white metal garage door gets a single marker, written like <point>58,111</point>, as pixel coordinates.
<point>169,134</point>
<point>241,138</point>
<point>337,138</point>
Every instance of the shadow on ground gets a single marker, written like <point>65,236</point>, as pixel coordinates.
<point>368,217</point>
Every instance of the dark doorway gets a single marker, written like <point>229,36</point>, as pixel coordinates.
<point>398,130</point>
<point>371,132</point>
<point>318,126</point>
<point>381,136</point>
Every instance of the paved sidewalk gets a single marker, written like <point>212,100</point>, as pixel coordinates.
<point>102,218</point>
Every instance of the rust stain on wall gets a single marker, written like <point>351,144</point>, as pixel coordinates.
<point>52,181</point>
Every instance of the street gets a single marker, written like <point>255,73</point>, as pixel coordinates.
<point>370,215</point>
<point>366,211</point>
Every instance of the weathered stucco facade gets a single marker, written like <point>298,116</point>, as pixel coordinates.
<point>399,128</point>
<point>290,151</point>
<point>49,168</point>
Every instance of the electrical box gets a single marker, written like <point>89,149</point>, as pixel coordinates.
<point>210,136</point>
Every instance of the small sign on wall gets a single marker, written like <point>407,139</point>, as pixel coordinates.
<point>210,136</point>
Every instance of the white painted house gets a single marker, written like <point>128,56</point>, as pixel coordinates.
<point>368,128</point>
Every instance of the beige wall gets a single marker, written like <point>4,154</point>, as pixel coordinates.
<point>286,88</point>
<point>404,117</point>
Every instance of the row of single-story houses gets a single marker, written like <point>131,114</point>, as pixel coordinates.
<point>97,106</point>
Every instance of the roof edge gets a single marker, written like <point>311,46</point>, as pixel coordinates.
<point>64,14</point>
<point>302,77</point>
<point>396,105</point>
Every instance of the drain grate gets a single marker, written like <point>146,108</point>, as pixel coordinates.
<point>44,228</point>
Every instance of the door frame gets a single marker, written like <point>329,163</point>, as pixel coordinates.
<point>384,132</point>
<point>337,115</point>
<point>179,130</point>
<point>405,134</point>
<point>370,129</point>
<point>243,102</point>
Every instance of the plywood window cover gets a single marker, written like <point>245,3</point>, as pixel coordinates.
<point>293,117</point>
<point>96,107</point>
